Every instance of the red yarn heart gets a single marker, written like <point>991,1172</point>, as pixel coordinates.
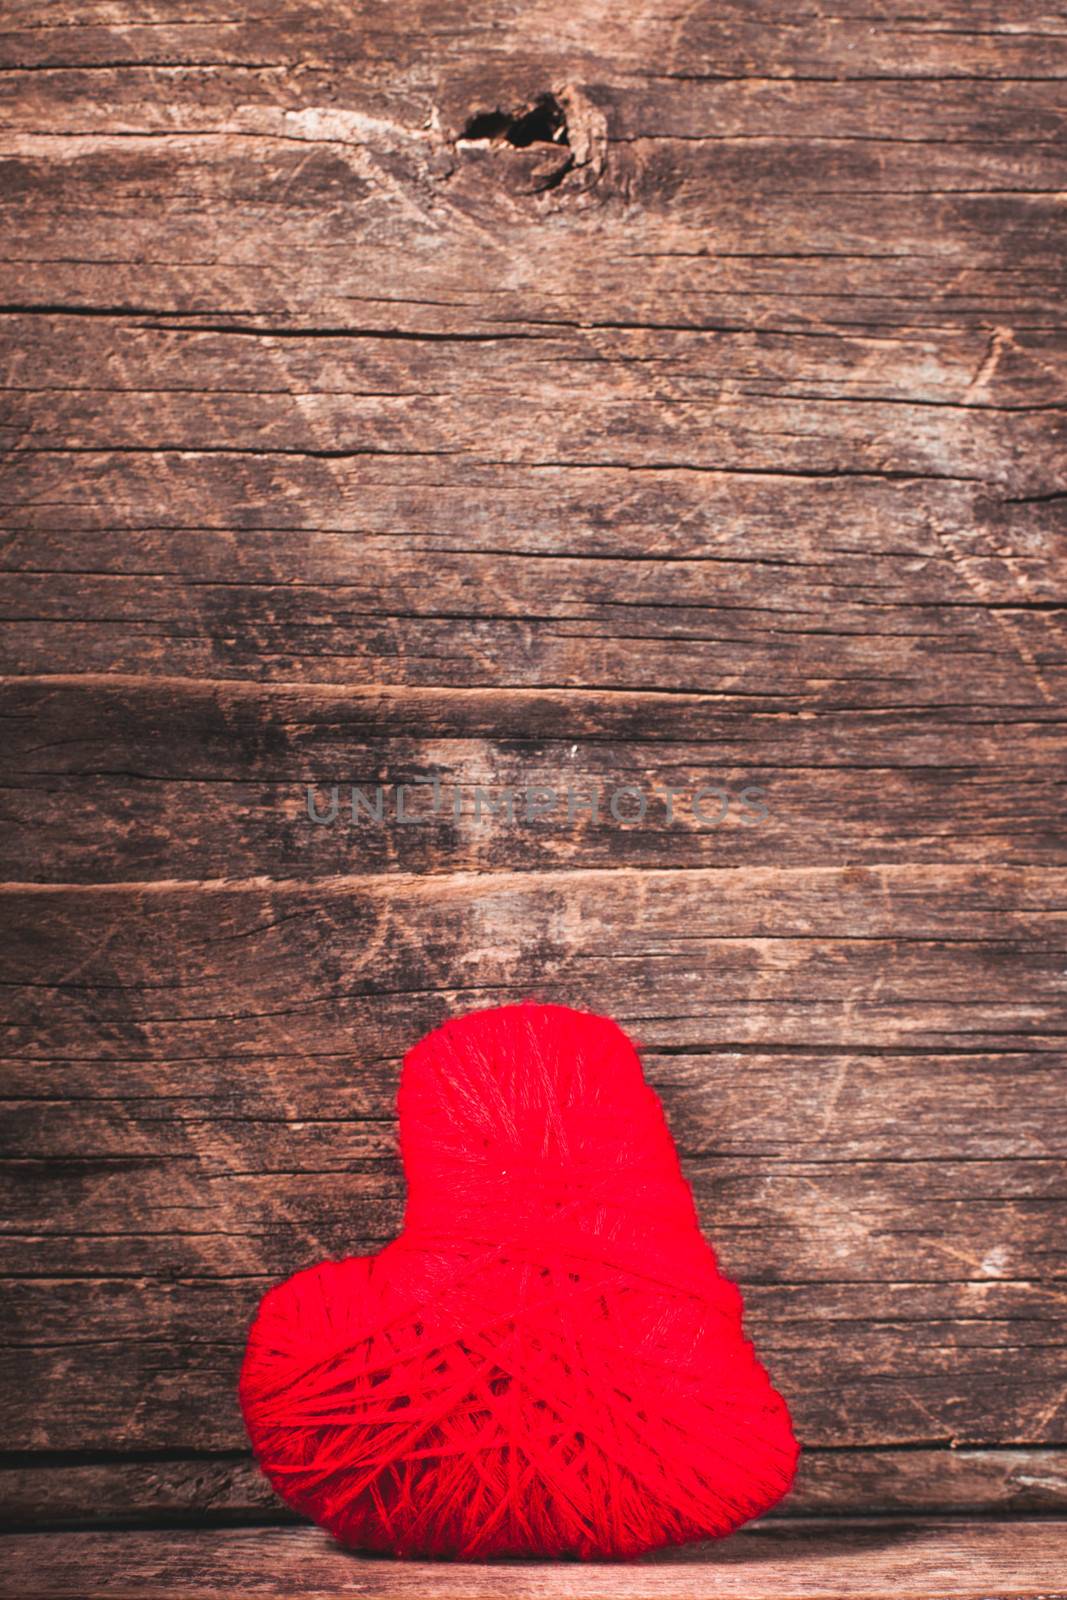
<point>547,1360</point>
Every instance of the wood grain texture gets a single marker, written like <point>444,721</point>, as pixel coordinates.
<point>721,444</point>
<point>213,1488</point>
<point>94,800</point>
<point>803,1561</point>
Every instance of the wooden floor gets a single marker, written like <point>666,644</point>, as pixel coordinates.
<point>802,1561</point>
<point>552,397</point>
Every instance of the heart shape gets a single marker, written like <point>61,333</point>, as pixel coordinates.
<point>547,1360</point>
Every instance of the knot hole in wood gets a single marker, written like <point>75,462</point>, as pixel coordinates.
<point>558,134</point>
<point>545,122</point>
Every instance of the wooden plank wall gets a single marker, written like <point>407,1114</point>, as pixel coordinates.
<point>527,396</point>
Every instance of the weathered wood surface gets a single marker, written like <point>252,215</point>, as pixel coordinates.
<point>959,1560</point>
<point>95,797</point>
<point>721,444</point>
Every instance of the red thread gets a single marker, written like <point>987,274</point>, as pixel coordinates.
<point>547,1360</point>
